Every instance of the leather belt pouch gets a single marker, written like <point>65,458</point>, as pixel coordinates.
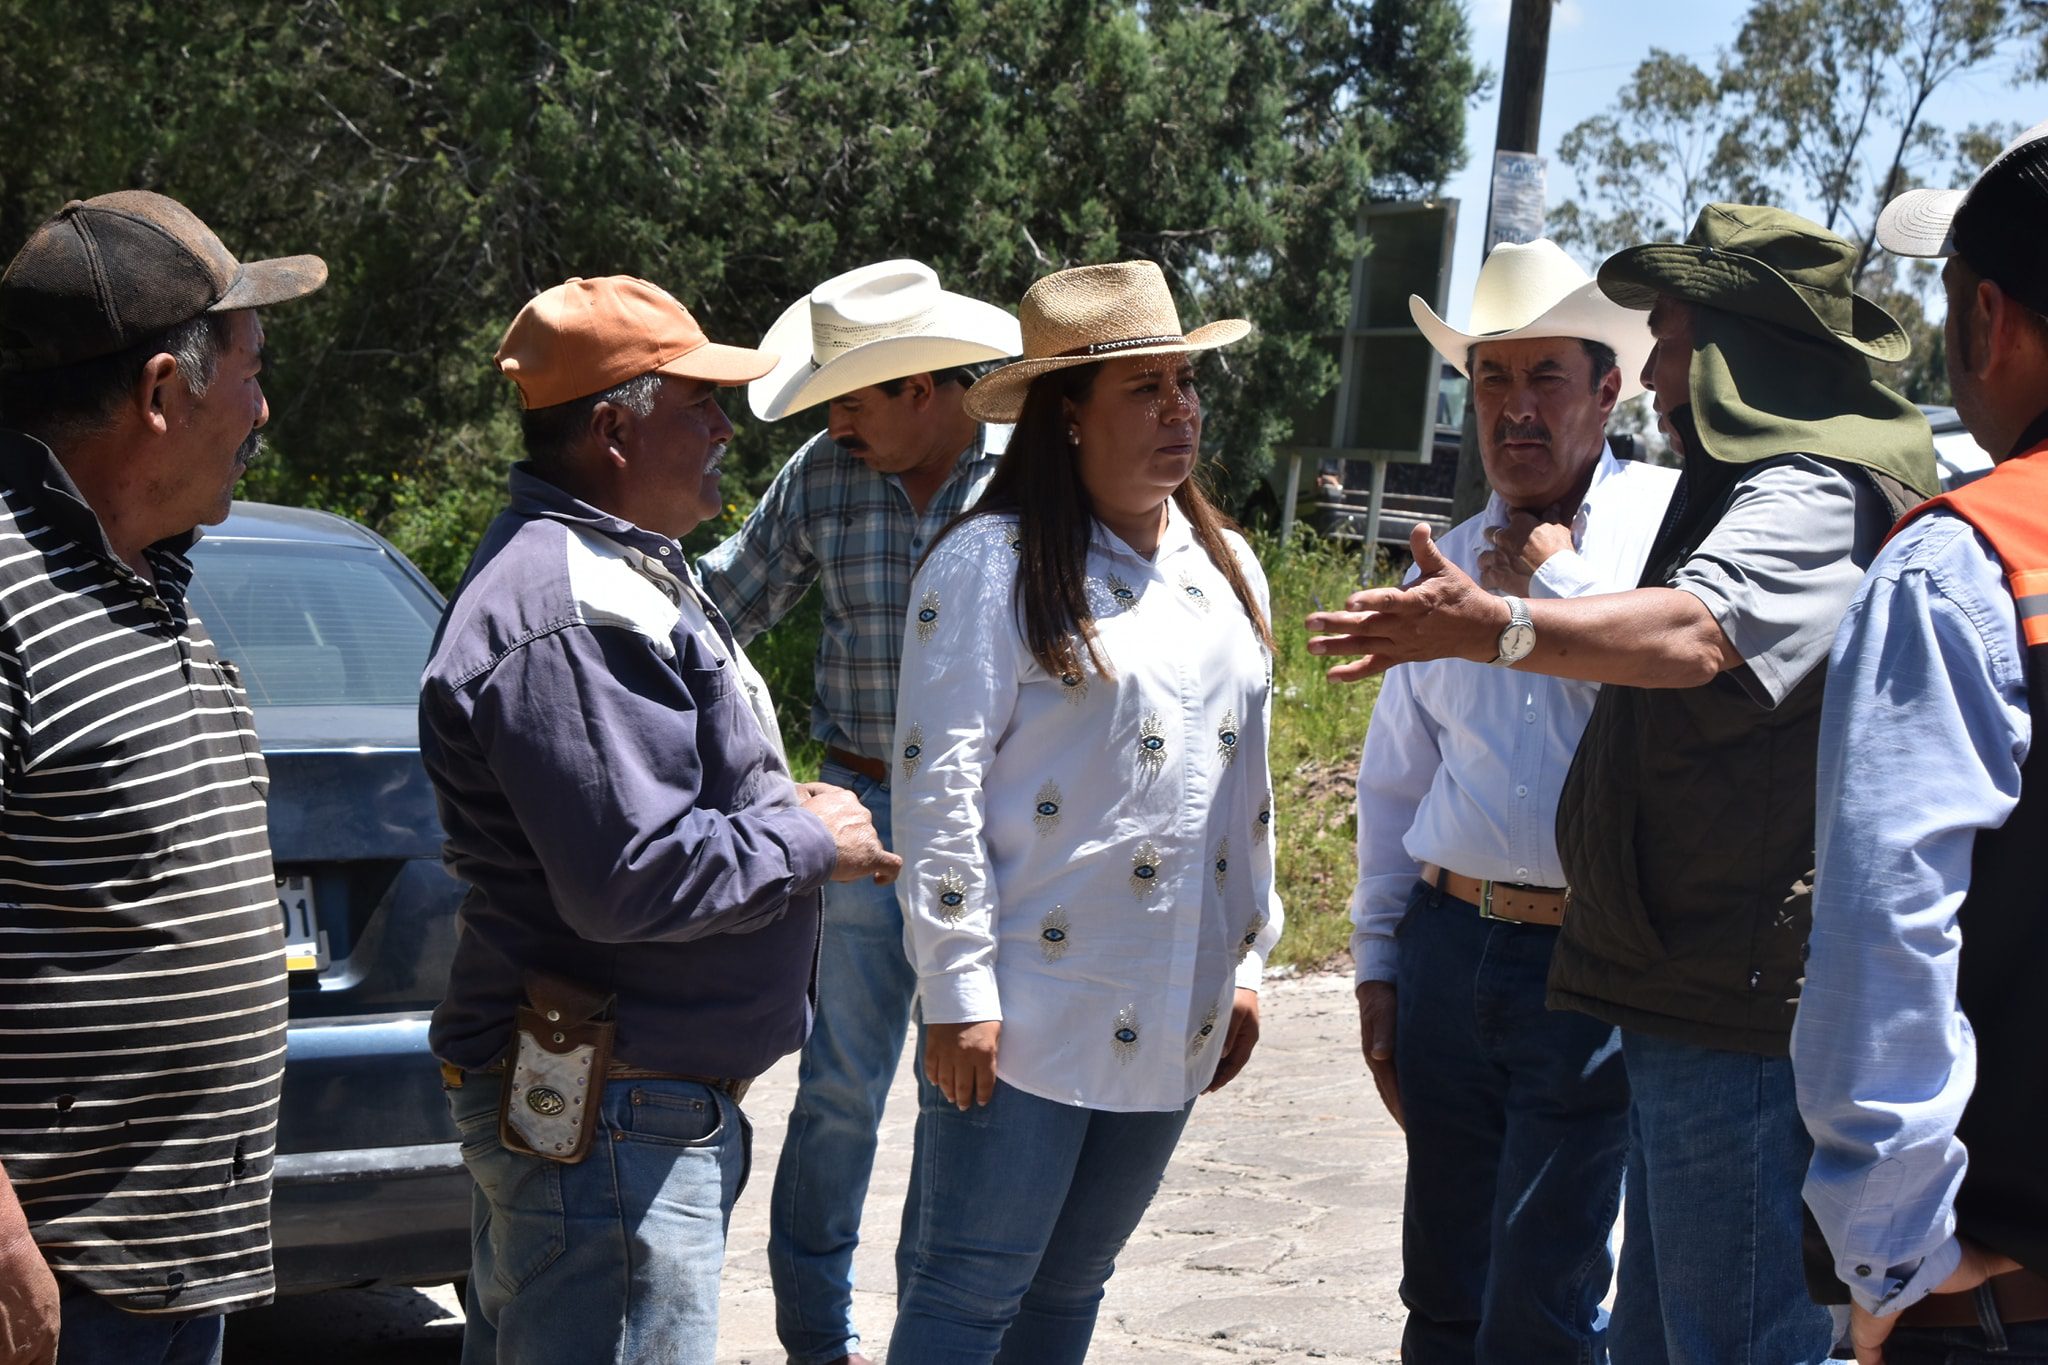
<point>562,1048</point>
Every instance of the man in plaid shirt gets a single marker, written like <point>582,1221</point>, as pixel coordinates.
<point>883,347</point>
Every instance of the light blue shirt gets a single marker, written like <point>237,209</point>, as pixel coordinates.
<point>1923,732</point>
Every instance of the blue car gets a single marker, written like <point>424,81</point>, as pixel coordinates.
<point>330,626</point>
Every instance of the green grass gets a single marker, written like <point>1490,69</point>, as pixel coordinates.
<point>1318,727</point>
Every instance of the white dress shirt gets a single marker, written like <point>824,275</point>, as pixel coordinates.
<point>1464,761</point>
<point>1088,860</point>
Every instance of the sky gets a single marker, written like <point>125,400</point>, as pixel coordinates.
<point>1594,47</point>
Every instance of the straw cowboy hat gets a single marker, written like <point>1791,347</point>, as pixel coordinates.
<point>1535,290</point>
<point>871,325</point>
<point>1093,313</point>
<point>1762,263</point>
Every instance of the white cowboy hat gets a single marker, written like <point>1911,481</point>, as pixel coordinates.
<point>1535,290</point>
<point>870,325</point>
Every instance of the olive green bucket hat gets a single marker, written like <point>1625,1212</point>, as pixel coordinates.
<point>1763,263</point>
<point>1781,347</point>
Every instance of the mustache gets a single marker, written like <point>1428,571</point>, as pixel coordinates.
<point>1505,431</point>
<point>252,449</point>
<point>716,457</point>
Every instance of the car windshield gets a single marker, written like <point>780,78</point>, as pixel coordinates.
<point>314,625</point>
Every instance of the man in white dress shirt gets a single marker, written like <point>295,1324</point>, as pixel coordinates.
<point>1517,1117</point>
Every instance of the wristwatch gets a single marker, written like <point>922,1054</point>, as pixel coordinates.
<point>1519,636</point>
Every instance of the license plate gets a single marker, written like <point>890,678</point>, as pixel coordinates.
<point>305,943</point>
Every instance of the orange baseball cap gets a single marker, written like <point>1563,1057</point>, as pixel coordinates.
<point>585,336</point>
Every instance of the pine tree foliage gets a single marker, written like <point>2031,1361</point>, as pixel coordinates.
<point>450,160</point>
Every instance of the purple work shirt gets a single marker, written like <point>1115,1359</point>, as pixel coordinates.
<point>611,799</point>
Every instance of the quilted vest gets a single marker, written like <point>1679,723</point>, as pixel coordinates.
<point>1685,829</point>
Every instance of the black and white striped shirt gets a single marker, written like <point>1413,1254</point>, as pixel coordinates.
<point>142,983</point>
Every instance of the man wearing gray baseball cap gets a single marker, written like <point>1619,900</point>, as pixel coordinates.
<point>142,978</point>
<point>1916,1049</point>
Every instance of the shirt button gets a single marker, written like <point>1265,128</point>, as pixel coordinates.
<point>1521,872</point>
<point>1528,718</point>
<point>1521,791</point>
<point>1863,1272</point>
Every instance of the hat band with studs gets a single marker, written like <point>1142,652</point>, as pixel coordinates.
<point>1094,348</point>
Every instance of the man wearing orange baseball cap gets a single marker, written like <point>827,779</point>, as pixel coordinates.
<point>639,938</point>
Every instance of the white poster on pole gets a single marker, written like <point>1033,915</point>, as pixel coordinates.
<point>1516,213</point>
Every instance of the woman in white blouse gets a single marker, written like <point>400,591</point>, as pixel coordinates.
<point>1083,807</point>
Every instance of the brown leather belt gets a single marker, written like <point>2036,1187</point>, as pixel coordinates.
<point>1501,900</point>
<point>2017,1295</point>
<point>873,769</point>
<point>735,1086</point>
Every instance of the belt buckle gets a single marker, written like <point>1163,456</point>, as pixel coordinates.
<point>1486,903</point>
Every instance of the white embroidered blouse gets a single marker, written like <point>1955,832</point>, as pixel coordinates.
<point>1088,859</point>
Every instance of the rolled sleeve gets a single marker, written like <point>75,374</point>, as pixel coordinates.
<point>1781,565</point>
<point>594,739</point>
<point>1567,574</point>
<point>960,677</point>
<point>1925,694</point>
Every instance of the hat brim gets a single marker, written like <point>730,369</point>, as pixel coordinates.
<point>260,284</point>
<point>719,364</point>
<point>958,331</point>
<point>1584,314</point>
<point>999,395</point>
<point>1920,223</point>
<point>1736,283</point>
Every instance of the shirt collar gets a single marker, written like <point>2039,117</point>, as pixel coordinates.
<point>535,495</point>
<point>1176,537</point>
<point>1606,467</point>
<point>35,469</point>
<point>977,455</point>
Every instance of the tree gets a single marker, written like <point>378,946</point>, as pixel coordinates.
<point>449,164</point>
<point>1645,170</point>
<point>1819,105</point>
<point>1836,92</point>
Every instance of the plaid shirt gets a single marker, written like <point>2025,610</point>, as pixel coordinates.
<point>830,519</point>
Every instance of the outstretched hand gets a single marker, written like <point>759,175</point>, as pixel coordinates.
<point>1443,614</point>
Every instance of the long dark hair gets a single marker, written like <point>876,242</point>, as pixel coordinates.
<point>1039,479</point>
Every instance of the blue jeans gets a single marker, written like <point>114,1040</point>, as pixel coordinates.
<point>1517,1126</point>
<point>92,1331</point>
<point>617,1257</point>
<point>1023,1207</point>
<point>2020,1343</point>
<point>865,985</point>
<point>1710,1259</point>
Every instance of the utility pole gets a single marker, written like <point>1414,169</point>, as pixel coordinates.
<point>1521,118</point>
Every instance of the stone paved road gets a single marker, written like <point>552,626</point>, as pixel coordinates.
<point>1275,1238</point>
